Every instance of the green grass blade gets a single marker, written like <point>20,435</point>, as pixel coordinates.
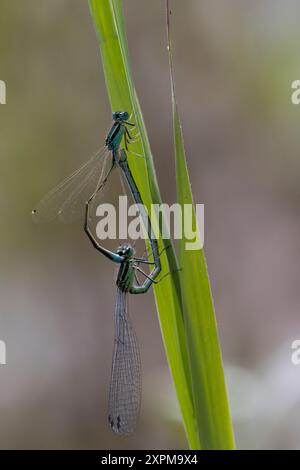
<point>109,25</point>
<point>208,383</point>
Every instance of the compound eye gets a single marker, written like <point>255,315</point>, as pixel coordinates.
<point>117,115</point>
<point>129,250</point>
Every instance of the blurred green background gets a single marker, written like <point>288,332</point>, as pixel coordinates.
<point>234,64</point>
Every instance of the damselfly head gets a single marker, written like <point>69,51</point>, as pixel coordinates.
<point>125,250</point>
<point>120,116</point>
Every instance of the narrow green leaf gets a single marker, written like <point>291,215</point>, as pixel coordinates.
<point>109,25</point>
<point>208,383</point>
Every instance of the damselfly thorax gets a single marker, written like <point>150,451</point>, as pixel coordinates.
<point>118,131</point>
<point>126,273</point>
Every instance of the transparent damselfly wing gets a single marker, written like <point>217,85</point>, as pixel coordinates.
<point>67,200</point>
<point>126,378</point>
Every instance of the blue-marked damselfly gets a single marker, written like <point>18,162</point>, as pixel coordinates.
<point>126,379</point>
<point>126,382</point>
<point>66,201</point>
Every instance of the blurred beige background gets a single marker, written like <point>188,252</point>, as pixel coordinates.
<point>235,61</point>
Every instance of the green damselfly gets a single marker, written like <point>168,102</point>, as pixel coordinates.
<point>126,378</point>
<point>66,201</point>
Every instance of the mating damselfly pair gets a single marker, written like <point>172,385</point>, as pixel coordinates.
<point>70,197</point>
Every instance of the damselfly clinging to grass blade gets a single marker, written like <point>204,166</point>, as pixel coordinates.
<point>126,383</point>
<point>66,200</point>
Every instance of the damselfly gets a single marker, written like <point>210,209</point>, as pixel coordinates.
<point>67,200</point>
<point>126,383</point>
